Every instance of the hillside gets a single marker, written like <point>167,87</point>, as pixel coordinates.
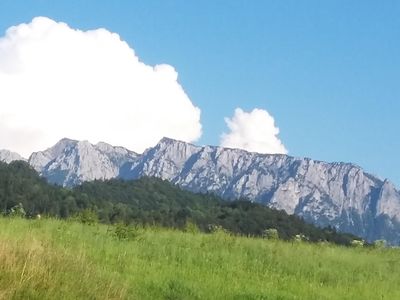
<point>53,259</point>
<point>150,201</point>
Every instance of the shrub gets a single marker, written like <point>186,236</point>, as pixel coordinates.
<point>17,211</point>
<point>357,243</point>
<point>87,216</point>
<point>271,234</point>
<point>380,244</point>
<point>191,227</point>
<point>125,232</point>
<point>212,228</point>
<point>300,238</point>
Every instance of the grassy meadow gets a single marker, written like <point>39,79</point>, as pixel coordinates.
<point>53,259</point>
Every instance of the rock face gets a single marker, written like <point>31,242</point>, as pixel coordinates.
<point>71,162</point>
<point>336,194</point>
<point>8,156</point>
<point>341,195</point>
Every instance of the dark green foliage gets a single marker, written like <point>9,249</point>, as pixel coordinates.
<point>271,234</point>
<point>17,211</point>
<point>124,232</point>
<point>19,183</point>
<point>149,201</point>
<point>87,216</point>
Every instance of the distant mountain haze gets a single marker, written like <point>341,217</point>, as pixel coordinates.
<point>337,194</point>
<point>8,156</point>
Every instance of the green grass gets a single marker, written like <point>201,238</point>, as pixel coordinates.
<point>52,259</point>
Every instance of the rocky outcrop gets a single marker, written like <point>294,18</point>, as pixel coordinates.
<point>8,156</point>
<point>71,162</point>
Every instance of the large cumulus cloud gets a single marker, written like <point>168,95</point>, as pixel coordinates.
<point>253,131</point>
<point>57,82</point>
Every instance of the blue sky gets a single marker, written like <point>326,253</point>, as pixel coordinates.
<point>327,71</point>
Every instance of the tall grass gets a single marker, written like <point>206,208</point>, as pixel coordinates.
<point>51,259</point>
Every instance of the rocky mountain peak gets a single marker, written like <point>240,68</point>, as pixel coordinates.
<point>8,156</point>
<point>70,162</point>
<point>174,147</point>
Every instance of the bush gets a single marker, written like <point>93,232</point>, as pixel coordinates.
<point>212,228</point>
<point>87,216</point>
<point>300,238</point>
<point>380,244</point>
<point>191,227</point>
<point>17,211</point>
<point>271,234</point>
<point>357,243</point>
<point>125,232</point>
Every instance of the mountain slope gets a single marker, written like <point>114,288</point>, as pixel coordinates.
<point>71,162</point>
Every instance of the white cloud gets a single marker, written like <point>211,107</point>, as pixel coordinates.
<point>253,131</point>
<point>59,82</point>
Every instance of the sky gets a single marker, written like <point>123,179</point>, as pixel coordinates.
<point>317,79</point>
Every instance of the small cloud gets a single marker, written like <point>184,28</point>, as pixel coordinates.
<point>253,131</point>
<point>56,81</point>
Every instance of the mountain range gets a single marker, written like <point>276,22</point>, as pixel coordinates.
<point>341,195</point>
